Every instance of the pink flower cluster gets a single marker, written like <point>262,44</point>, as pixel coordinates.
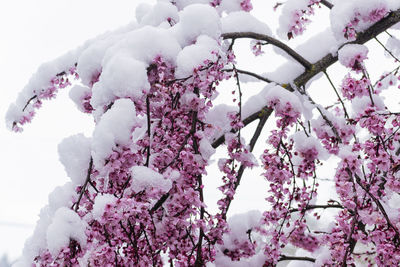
<point>352,87</point>
<point>299,20</point>
<point>256,47</point>
<point>350,31</point>
<point>246,5</point>
<point>60,81</point>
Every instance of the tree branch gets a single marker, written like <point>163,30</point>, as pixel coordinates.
<point>89,171</point>
<point>311,207</point>
<point>251,74</point>
<point>291,258</point>
<point>327,4</point>
<point>256,135</point>
<point>324,63</point>
<point>270,40</point>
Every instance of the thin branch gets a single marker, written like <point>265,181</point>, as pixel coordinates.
<point>328,121</point>
<point>83,189</point>
<point>327,4</point>
<point>337,94</point>
<point>294,258</point>
<point>28,102</point>
<point>251,74</point>
<point>311,207</point>
<point>148,130</point>
<point>387,50</point>
<point>256,135</point>
<point>270,40</point>
<point>377,202</point>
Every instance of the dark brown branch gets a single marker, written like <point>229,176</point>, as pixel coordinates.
<point>294,258</point>
<point>270,40</point>
<point>148,130</point>
<point>377,202</point>
<point>256,115</point>
<point>311,207</point>
<point>83,189</point>
<point>387,50</point>
<point>251,74</point>
<point>337,94</point>
<point>327,4</point>
<point>159,203</point>
<point>256,135</point>
<point>28,102</point>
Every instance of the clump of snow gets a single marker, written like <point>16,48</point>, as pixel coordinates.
<point>241,21</point>
<point>122,77</point>
<point>74,153</point>
<point>350,54</point>
<point>360,104</point>
<point>100,202</point>
<point>146,178</point>
<point>62,196</point>
<point>218,118</point>
<point>78,93</point>
<point>239,224</point>
<point>195,55</point>
<point>66,225</point>
<point>256,102</point>
<point>90,60</point>
<point>232,5</point>
<point>114,128</point>
<point>284,97</point>
<point>357,15</point>
<point>206,150</point>
<point>39,82</point>
<point>393,44</point>
<point>196,20</point>
<point>304,143</point>
<point>181,4</point>
<point>145,44</point>
<point>161,12</point>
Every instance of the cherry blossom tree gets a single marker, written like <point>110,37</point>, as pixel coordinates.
<point>136,194</point>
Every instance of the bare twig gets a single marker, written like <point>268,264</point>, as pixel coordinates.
<point>270,40</point>
<point>327,4</point>
<point>89,171</point>
<point>291,258</point>
<point>251,74</point>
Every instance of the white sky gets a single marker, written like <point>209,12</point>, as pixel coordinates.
<point>33,32</point>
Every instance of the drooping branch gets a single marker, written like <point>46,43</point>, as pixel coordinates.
<point>256,135</point>
<point>311,207</point>
<point>377,202</point>
<point>327,4</point>
<point>83,189</point>
<point>294,258</point>
<point>249,73</point>
<point>270,40</point>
